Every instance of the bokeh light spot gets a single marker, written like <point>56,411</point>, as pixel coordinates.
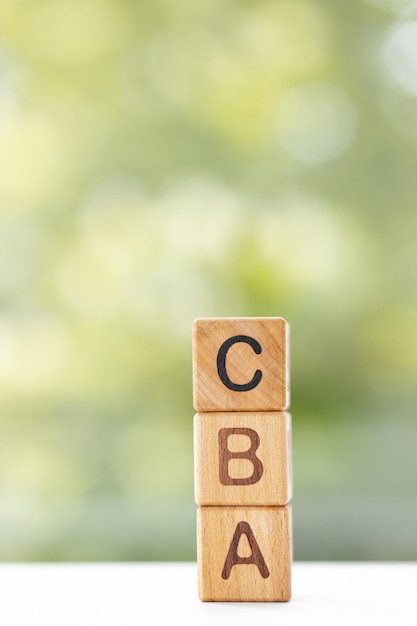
<point>400,56</point>
<point>72,32</point>
<point>315,122</point>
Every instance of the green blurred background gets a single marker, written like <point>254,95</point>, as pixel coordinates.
<point>162,161</point>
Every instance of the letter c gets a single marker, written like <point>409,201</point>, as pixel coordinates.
<point>221,363</point>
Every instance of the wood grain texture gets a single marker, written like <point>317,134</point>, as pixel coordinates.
<point>241,364</point>
<point>242,458</point>
<point>244,554</point>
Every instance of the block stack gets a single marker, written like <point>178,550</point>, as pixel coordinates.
<point>242,453</point>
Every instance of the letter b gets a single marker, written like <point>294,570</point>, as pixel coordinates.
<point>225,455</point>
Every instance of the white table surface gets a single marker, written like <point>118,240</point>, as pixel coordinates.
<point>330,594</point>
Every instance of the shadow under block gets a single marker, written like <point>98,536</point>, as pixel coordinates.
<point>244,554</point>
<point>241,364</point>
<point>242,458</point>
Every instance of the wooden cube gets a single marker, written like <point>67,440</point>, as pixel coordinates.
<point>241,364</point>
<point>244,553</point>
<point>242,458</point>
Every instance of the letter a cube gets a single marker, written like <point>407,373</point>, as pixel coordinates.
<point>244,553</point>
<point>242,454</point>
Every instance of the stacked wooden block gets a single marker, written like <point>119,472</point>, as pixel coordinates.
<point>242,452</point>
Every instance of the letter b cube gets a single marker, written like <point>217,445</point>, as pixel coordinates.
<point>242,458</point>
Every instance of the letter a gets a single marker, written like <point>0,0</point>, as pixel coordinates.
<point>255,558</point>
<point>225,455</point>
